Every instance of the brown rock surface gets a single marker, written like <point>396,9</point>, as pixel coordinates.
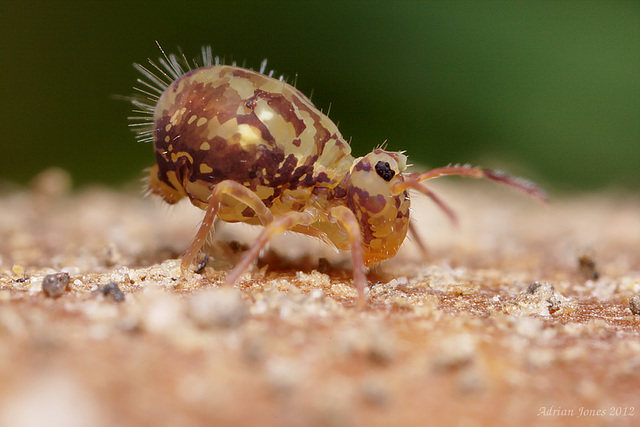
<point>503,325</point>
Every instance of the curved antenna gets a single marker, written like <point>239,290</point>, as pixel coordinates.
<point>413,179</point>
<point>448,211</point>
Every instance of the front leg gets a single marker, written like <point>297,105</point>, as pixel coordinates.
<point>348,219</point>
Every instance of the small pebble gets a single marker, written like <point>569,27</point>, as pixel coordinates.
<point>18,270</point>
<point>53,182</point>
<point>112,292</point>
<point>374,392</point>
<point>540,299</point>
<point>455,351</point>
<point>540,287</point>
<point>324,266</point>
<point>54,285</point>
<point>587,266</point>
<point>217,308</point>
<point>200,268</point>
<point>634,304</point>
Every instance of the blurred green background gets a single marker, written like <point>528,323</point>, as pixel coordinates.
<point>550,90</point>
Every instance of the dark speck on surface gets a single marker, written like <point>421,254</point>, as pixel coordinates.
<point>112,291</point>
<point>634,304</point>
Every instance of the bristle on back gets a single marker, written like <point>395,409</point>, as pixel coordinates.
<point>157,75</point>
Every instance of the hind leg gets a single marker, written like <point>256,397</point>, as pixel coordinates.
<point>277,226</point>
<point>225,188</point>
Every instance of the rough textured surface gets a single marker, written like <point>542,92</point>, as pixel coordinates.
<point>524,315</point>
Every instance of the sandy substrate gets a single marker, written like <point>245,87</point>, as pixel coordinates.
<point>523,315</point>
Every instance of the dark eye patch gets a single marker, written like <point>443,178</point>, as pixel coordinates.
<point>384,170</point>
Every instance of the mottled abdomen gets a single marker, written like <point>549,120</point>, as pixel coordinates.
<point>223,122</point>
